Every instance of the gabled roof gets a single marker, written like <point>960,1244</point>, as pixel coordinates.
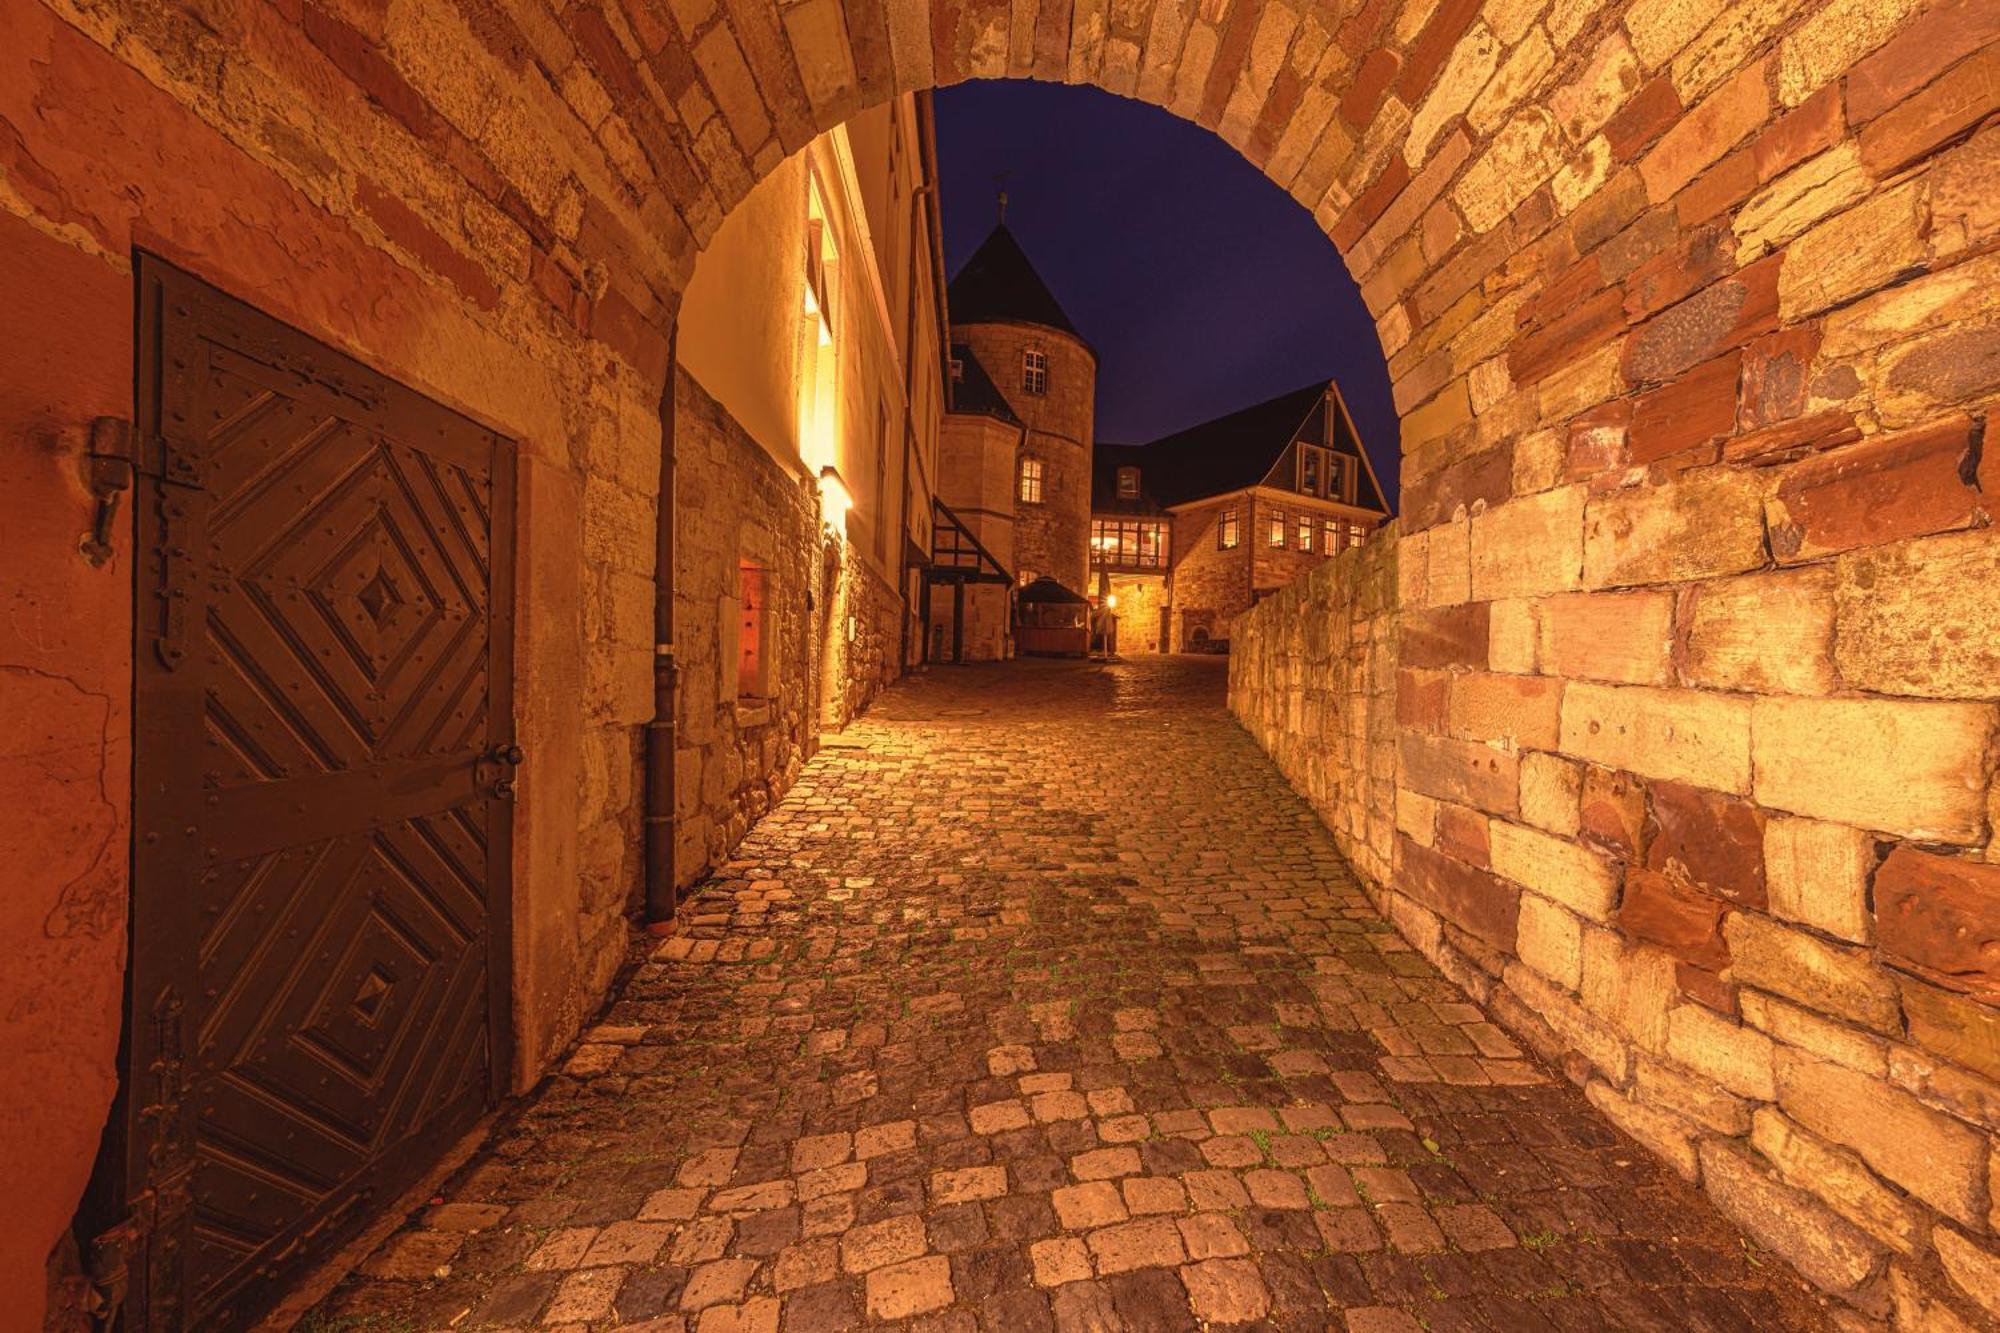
<point>999,285</point>
<point>1239,450</point>
<point>1230,452</point>
<point>974,390</point>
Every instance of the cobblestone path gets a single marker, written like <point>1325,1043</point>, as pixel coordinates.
<point>1042,1002</point>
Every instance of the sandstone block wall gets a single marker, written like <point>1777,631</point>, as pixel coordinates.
<point>1312,675</point>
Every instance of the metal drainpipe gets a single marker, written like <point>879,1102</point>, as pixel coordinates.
<point>662,733</point>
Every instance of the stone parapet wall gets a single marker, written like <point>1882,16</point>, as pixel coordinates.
<point>1312,675</point>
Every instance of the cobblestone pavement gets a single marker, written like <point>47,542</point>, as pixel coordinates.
<point>1042,1002</point>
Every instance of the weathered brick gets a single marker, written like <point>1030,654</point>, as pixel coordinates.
<point>1817,874</point>
<point>1713,842</point>
<point>1839,1178</point>
<point>1529,546</point>
<point>1683,735</point>
<point>1612,810</point>
<point>1520,712</point>
<point>1718,317</point>
<point>1453,636</point>
<point>1818,1242</point>
<point>1940,915</point>
<point>1567,872</point>
<point>1957,1027</point>
<point>1917,618</point>
<point>1550,941</point>
<point>1818,975</point>
<point>1905,767</point>
<point>1667,1134</point>
<point>1466,772</point>
<point>1934,1157</point>
<point>1692,413</point>
<point>1699,525</point>
<point>1937,39</point>
<point>1905,485</point>
<point>1706,132</point>
<point>1551,793</point>
<point>1916,126</point>
<point>1769,633</point>
<point>1474,900</point>
<point>1853,253</point>
<point>1739,1058</point>
<point>1839,35</point>
<point>1675,917</point>
<point>1797,201</point>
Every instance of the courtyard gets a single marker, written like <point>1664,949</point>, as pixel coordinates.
<point>1042,1002</point>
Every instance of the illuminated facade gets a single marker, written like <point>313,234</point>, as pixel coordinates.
<point>1196,527</point>
<point>810,398</point>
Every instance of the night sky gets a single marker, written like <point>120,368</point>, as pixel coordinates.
<point>1202,286</point>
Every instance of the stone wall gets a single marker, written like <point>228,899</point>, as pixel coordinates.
<point>1690,312</point>
<point>738,755</point>
<point>1142,599</point>
<point>1312,675</point>
<point>1052,537</point>
<point>1210,584</point>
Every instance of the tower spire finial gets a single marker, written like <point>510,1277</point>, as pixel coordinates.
<point>1000,182</point>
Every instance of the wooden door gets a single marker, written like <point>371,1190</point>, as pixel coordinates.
<point>323,754</point>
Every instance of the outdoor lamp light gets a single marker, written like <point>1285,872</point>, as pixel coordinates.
<point>834,501</point>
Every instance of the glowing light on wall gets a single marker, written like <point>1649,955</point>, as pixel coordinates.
<point>834,500</point>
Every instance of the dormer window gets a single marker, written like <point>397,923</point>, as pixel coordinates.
<point>1035,371</point>
<point>1128,483</point>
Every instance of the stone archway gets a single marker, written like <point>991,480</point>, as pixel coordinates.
<point>1689,312</point>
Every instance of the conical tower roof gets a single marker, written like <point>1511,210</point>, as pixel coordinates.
<point>999,285</point>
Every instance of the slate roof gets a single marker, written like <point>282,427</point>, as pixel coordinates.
<point>1229,453</point>
<point>974,389</point>
<point>999,285</point>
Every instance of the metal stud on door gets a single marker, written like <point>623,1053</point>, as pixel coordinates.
<point>323,760</point>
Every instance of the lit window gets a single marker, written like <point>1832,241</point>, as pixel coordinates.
<point>1330,536</point>
<point>1305,542</point>
<point>1031,481</point>
<point>1226,533</point>
<point>1027,576</point>
<point>1274,531</point>
<point>817,350</point>
<point>1132,542</point>
<point>1035,371</point>
<point>1128,483</point>
<point>1354,534</point>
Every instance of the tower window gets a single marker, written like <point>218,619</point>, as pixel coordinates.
<point>1227,531</point>
<point>1035,371</point>
<point>1031,481</point>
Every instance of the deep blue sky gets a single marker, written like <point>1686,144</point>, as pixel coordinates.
<point>1203,286</point>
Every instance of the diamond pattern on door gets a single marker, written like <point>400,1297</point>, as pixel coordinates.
<point>319,916</point>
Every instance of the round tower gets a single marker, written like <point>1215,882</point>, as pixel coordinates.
<point>1005,314</point>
